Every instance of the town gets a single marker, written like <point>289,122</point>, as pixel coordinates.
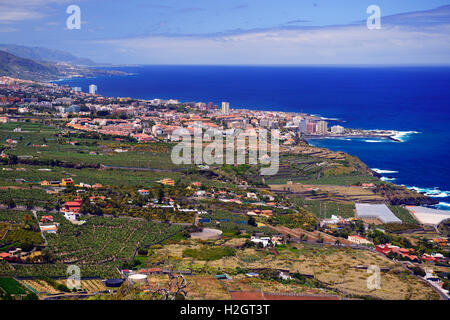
<point>88,181</point>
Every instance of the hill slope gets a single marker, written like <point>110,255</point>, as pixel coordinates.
<point>28,69</point>
<point>45,54</point>
<point>13,66</point>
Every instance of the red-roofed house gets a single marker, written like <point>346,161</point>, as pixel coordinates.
<point>47,219</point>
<point>143,192</point>
<point>4,255</point>
<point>429,258</point>
<point>50,229</point>
<point>388,248</point>
<point>73,206</point>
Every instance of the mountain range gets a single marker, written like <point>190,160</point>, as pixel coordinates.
<point>43,64</point>
<point>46,55</point>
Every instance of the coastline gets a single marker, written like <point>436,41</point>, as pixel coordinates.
<point>392,136</point>
<point>350,136</point>
<point>433,194</point>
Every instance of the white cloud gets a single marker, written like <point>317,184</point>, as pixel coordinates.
<point>21,10</point>
<point>326,45</point>
<point>8,29</point>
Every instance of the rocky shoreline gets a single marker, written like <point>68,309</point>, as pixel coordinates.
<point>395,194</point>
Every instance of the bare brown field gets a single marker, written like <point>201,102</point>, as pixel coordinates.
<point>200,287</point>
<point>243,283</point>
<point>338,193</point>
<point>334,266</point>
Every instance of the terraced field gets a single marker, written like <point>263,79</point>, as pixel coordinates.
<point>102,240</point>
<point>329,192</point>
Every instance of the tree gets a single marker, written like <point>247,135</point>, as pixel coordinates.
<point>320,239</point>
<point>48,256</point>
<point>13,159</point>
<point>418,271</point>
<point>10,203</point>
<point>175,290</point>
<point>252,222</point>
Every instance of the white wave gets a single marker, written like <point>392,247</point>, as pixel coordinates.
<point>381,171</point>
<point>374,141</point>
<point>403,136</point>
<point>330,119</point>
<point>432,192</point>
<point>444,204</point>
<point>387,179</point>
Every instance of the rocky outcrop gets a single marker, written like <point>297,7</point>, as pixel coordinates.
<point>400,195</point>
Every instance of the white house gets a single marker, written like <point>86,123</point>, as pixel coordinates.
<point>264,240</point>
<point>358,240</point>
<point>70,215</point>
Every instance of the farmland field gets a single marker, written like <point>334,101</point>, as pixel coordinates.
<point>323,209</point>
<point>103,239</point>
<point>86,175</point>
<point>403,214</point>
<point>330,265</point>
<point>11,286</point>
<point>47,144</point>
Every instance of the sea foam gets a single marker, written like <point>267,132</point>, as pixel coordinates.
<point>404,136</point>
<point>387,179</point>
<point>432,192</point>
<point>381,171</point>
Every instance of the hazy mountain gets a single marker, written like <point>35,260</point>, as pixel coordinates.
<point>28,69</point>
<point>44,54</point>
<point>13,66</point>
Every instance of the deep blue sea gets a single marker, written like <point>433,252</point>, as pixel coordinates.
<point>414,100</point>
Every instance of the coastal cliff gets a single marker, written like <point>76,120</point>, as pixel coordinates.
<point>392,193</point>
<point>400,195</point>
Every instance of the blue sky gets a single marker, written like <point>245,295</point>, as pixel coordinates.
<point>235,31</point>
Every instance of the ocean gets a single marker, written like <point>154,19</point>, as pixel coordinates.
<point>413,100</point>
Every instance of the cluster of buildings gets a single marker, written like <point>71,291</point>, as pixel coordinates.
<point>71,209</point>
<point>163,115</point>
<point>15,255</point>
<point>408,254</point>
<point>335,222</point>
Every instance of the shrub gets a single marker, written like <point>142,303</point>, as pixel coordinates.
<point>209,254</point>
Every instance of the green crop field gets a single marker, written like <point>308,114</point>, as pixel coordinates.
<point>11,286</point>
<point>86,175</point>
<point>105,239</point>
<point>15,232</point>
<point>14,216</point>
<point>403,214</point>
<point>46,144</point>
<point>326,209</point>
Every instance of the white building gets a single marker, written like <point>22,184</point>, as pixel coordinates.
<point>225,107</point>
<point>321,127</point>
<point>71,216</point>
<point>302,126</point>
<point>264,240</point>
<point>92,89</point>
<point>337,129</point>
